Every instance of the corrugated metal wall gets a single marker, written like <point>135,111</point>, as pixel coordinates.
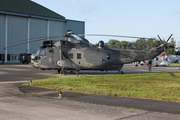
<point>56,28</point>
<point>22,28</point>
<point>16,31</point>
<point>38,28</point>
<point>2,34</point>
<point>41,28</point>
<point>77,27</point>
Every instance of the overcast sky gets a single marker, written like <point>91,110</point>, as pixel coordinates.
<point>146,18</point>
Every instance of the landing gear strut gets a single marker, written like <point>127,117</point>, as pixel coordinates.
<point>62,71</point>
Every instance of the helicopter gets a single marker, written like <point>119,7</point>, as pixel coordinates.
<point>163,59</point>
<point>76,53</point>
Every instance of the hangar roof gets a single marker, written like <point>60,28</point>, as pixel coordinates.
<point>27,7</point>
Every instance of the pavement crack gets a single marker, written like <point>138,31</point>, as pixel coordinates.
<point>132,116</point>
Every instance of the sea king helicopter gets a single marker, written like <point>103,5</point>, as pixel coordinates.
<point>163,59</point>
<point>76,53</point>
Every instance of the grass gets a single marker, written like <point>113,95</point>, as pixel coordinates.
<point>174,64</point>
<point>156,86</point>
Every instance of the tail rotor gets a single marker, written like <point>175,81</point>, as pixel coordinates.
<point>165,44</point>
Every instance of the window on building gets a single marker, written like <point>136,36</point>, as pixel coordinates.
<point>71,55</point>
<point>78,55</point>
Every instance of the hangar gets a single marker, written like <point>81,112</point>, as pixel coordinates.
<point>23,20</point>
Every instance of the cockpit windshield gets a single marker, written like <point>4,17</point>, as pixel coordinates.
<point>76,37</point>
<point>36,53</point>
<point>43,52</point>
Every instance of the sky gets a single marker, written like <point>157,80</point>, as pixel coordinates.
<point>142,18</point>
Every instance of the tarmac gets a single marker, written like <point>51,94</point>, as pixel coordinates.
<point>44,104</point>
<point>115,101</point>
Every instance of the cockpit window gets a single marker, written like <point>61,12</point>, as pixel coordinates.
<point>36,53</point>
<point>76,37</point>
<point>43,52</point>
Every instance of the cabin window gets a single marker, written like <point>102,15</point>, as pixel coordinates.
<point>71,55</point>
<point>43,52</point>
<point>108,56</point>
<point>51,51</point>
<point>78,55</point>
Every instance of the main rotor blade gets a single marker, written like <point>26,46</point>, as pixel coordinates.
<point>25,40</point>
<point>172,46</point>
<point>160,38</point>
<point>169,37</point>
<point>111,36</point>
<point>34,41</point>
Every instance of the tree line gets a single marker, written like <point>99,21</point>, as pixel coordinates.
<point>140,44</point>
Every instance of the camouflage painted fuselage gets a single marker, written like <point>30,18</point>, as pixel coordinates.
<point>73,54</point>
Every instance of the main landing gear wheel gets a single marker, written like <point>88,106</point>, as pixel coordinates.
<point>120,72</point>
<point>63,72</point>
